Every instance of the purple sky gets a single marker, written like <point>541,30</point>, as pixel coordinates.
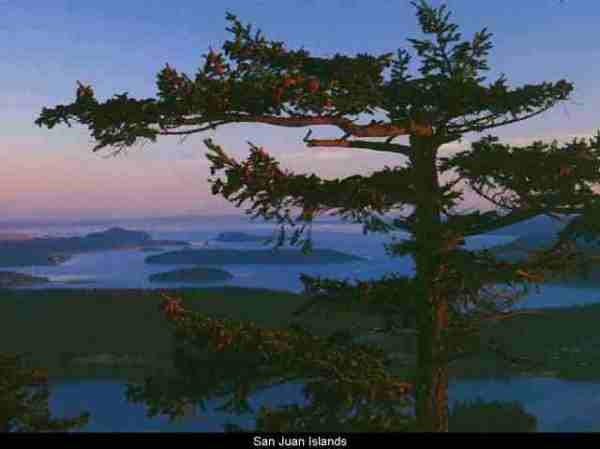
<point>119,47</point>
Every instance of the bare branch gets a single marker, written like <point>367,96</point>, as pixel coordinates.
<point>473,125</point>
<point>492,200</point>
<point>516,216</point>
<point>191,131</point>
<point>346,125</point>
<point>376,146</point>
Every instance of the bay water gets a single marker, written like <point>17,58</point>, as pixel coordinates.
<point>559,405</point>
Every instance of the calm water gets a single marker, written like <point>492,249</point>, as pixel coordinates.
<point>111,412</point>
<point>559,405</point>
<point>127,269</point>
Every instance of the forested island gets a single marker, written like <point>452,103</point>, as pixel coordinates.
<point>152,249</point>
<point>11,279</point>
<point>252,257</point>
<point>56,250</point>
<point>240,237</point>
<point>12,236</point>
<point>192,275</point>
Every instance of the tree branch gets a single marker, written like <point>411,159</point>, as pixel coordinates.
<point>404,224</point>
<point>274,193</point>
<point>376,146</point>
<point>513,217</point>
<point>474,127</point>
<point>191,131</point>
<point>479,192</point>
<point>346,125</point>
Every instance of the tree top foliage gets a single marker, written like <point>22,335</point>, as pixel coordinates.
<point>252,79</point>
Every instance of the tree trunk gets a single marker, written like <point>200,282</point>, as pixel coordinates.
<point>432,371</point>
<point>432,308</point>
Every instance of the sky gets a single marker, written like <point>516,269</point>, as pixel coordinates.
<point>119,46</point>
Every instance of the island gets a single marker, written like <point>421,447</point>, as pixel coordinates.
<point>240,237</point>
<point>12,236</point>
<point>192,275</point>
<point>10,279</point>
<point>519,248</point>
<point>79,281</point>
<point>56,250</point>
<point>156,243</point>
<point>251,257</point>
<point>152,249</point>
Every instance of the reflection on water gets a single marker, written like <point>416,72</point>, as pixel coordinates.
<point>559,405</point>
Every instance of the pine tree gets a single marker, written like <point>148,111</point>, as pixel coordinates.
<point>454,291</point>
<point>24,394</point>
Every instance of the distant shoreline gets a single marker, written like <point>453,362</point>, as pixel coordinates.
<point>201,219</point>
<point>14,236</point>
<point>11,279</point>
<point>251,257</point>
<point>52,251</point>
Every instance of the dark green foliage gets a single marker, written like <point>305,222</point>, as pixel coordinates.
<point>250,257</point>
<point>198,274</point>
<point>24,394</point>
<point>490,417</point>
<point>389,298</point>
<point>543,176</point>
<point>346,385</point>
